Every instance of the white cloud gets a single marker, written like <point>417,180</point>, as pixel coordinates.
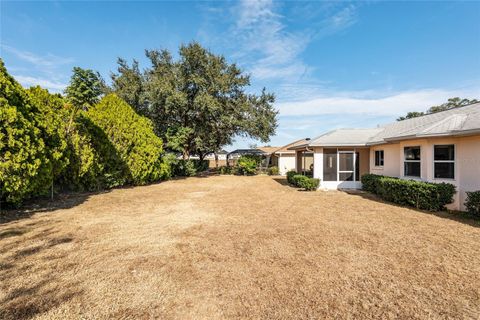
<point>27,81</point>
<point>46,61</point>
<point>355,103</point>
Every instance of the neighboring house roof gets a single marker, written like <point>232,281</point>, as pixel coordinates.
<point>259,151</point>
<point>458,121</point>
<point>268,150</point>
<point>290,148</point>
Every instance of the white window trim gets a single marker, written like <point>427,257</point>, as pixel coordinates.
<point>414,161</point>
<point>445,161</point>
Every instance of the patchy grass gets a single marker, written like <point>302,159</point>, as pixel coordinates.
<point>236,247</point>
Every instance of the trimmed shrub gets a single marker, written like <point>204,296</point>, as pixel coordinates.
<point>473,202</point>
<point>130,143</point>
<point>309,184</point>
<point>417,194</point>
<point>247,164</point>
<point>273,171</point>
<point>290,175</point>
<point>301,181</point>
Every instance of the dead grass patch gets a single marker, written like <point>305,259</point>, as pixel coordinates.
<point>237,247</point>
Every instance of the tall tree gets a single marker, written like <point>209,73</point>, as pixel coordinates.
<point>450,104</point>
<point>198,102</point>
<point>85,89</point>
<point>128,84</point>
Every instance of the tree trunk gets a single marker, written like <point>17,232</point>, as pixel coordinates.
<point>216,160</point>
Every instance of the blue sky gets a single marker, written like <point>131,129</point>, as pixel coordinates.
<point>331,64</point>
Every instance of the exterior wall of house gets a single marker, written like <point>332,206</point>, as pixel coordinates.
<point>467,163</point>
<point>286,162</point>
<point>391,165</point>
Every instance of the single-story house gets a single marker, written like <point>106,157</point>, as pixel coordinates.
<point>286,157</point>
<point>266,153</point>
<point>438,147</point>
<point>222,158</point>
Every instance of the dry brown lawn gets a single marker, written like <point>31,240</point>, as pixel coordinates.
<point>225,247</point>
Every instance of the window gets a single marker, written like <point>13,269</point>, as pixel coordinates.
<point>411,161</point>
<point>444,161</point>
<point>379,158</point>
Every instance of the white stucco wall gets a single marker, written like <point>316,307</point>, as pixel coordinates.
<point>467,163</point>
<point>286,162</point>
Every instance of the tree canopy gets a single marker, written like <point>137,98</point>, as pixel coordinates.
<point>450,104</point>
<point>198,102</point>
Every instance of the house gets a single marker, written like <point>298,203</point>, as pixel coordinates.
<point>285,157</point>
<point>266,153</point>
<point>222,159</point>
<point>438,147</point>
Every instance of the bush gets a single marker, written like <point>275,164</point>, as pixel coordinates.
<point>301,181</point>
<point>247,164</point>
<point>473,202</point>
<point>273,171</point>
<point>417,194</point>
<point>189,167</point>
<point>32,140</point>
<point>132,146</point>
<point>309,184</point>
<point>290,175</point>
<point>227,170</point>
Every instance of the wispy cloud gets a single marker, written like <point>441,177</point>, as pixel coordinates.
<point>28,81</point>
<point>263,41</point>
<point>46,61</point>
<point>368,103</point>
<point>43,70</point>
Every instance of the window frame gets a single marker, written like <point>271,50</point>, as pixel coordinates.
<point>445,161</point>
<point>405,161</point>
<point>381,160</point>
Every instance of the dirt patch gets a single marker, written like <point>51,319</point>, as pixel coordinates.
<point>237,247</point>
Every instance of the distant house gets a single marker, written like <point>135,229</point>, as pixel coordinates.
<point>266,153</point>
<point>285,157</point>
<point>222,158</point>
<point>438,147</point>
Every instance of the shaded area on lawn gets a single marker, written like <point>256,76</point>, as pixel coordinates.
<point>456,216</point>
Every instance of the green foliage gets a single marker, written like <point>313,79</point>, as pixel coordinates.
<point>227,170</point>
<point>301,181</point>
<point>189,167</point>
<point>273,171</point>
<point>450,104</point>
<point>32,140</point>
<point>290,175</point>
<point>128,84</point>
<point>473,202</point>
<point>85,88</point>
<point>198,103</point>
<point>130,143</point>
<point>247,164</point>
<point>417,194</point>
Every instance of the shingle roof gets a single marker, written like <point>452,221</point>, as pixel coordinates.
<point>458,121</point>
<point>287,148</point>
<point>446,123</point>
<point>345,137</point>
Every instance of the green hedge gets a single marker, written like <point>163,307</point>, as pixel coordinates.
<point>417,194</point>
<point>473,202</point>
<point>290,175</point>
<point>301,181</point>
